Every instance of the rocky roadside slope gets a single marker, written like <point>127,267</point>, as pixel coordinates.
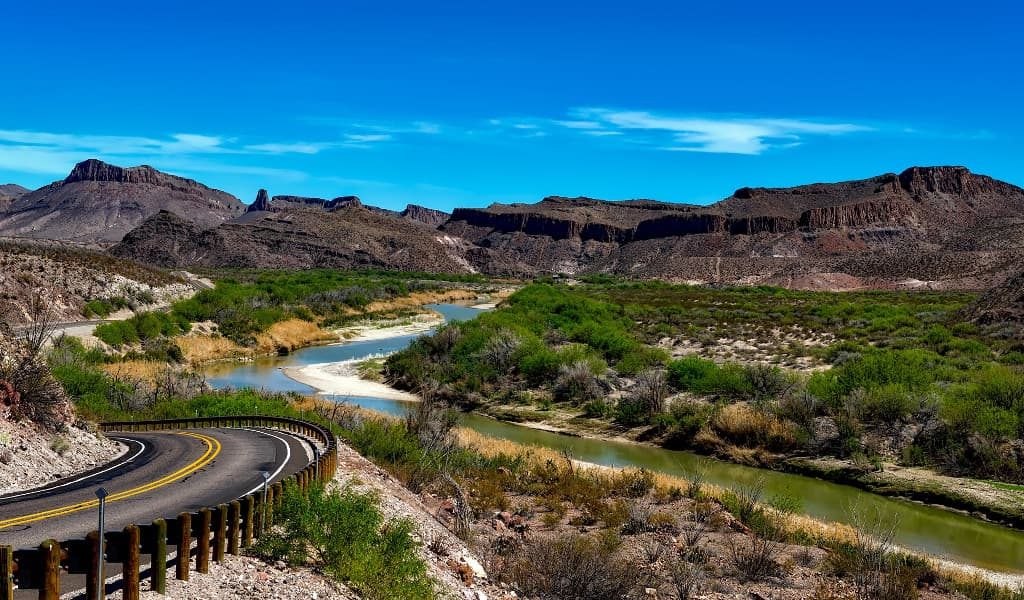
<point>30,456</point>
<point>457,571</point>
<point>68,276</point>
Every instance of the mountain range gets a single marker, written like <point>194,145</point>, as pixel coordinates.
<point>941,227</point>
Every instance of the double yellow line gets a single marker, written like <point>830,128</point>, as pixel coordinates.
<point>213,448</point>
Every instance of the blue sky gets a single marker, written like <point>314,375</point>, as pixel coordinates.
<point>462,104</point>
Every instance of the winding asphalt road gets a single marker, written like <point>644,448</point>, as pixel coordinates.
<point>162,474</point>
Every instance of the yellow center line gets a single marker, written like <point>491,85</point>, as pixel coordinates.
<point>213,448</point>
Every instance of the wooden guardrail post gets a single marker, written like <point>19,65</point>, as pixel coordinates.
<point>6,573</point>
<point>257,515</point>
<point>93,577</point>
<point>234,515</point>
<point>184,546</point>
<point>50,553</point>
<point>130,566</point>
<point>271,503</point>
<point>203,542</point>
<point>220,531</point>
<point>248,510</point>
<point>158,564</point>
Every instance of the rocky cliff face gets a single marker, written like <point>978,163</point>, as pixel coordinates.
<point>99,202</point>
<point>934,215</point>
<point>885,211</point>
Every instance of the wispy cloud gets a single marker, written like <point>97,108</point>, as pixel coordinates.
<point>705,133</point>
<point>363,138</point>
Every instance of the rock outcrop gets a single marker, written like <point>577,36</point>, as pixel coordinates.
<point>428,216</point>
<point>279,203</point>
<point>99,202</point>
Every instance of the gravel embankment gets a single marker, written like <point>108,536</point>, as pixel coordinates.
<point>31,456</point>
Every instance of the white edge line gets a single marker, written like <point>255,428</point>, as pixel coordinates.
<point>84,477</point>
<point>287,457</point>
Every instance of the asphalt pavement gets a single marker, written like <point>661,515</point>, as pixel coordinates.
<point>161,475</point>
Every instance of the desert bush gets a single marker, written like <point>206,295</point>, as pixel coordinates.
<point>576,383</point>
<point>650,391</point>
<point>765,382</point>
<point>500,350</point>
<point>685,578</point>
<point>747,426</point>
<point>572,566</point>
<point>344,534</point>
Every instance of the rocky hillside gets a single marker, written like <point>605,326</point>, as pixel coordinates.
<point>294,236</point>
<point>99,202</point>
<point>66,278</point>
<point>1002,304</point>
<point>938,226</point>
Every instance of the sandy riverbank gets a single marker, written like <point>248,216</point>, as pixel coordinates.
<point>342,379</point>
<point>379,330</point>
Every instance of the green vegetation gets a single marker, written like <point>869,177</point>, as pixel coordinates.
<point>343,533</point>
<point>244,304</point>
<point>102,307</point>
<point>898,359</point>
<point>142,327</point>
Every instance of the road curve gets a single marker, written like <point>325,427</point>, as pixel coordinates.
<point>164,473</point>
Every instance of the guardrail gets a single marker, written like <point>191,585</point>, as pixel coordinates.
<point>216,530</point>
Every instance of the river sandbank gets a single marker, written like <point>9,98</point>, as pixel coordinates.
<point>342,379</point>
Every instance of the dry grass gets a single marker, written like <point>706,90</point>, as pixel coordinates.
<point>291,334</point>
<point>141,370</point>
<point>745,426</point>
<point>205,348</point>
<point>418,299</point>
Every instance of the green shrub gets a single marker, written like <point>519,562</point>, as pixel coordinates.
<point>344,534</point>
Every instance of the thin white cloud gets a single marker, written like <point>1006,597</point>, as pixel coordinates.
<point>290,147</point>
<point>573,124</point>
<point>364,138</point>
<point>714,134</point>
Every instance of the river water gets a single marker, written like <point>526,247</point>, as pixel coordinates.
<point>932,530</point>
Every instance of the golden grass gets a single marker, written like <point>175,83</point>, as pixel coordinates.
<point>205,348</point>
<point>417,299</point>
<point>143,370</point>
<point>291,334</point>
